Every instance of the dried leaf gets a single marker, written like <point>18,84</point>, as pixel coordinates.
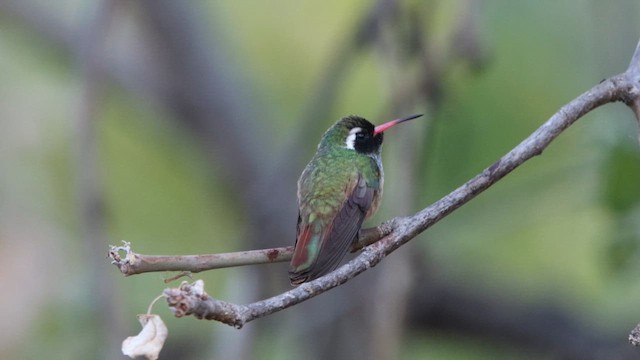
<point>149,341</point>
<point>634,337</point>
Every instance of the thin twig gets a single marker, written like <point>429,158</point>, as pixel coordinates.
<point>621,87</point>
<point>132,263</point>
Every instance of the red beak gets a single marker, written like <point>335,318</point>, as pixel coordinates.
<point>392,123</point>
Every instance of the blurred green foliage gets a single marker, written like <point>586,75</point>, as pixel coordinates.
<point>622,179</point>
<point>550,232</point>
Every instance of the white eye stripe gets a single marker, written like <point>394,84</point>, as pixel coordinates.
<point>351,139</point>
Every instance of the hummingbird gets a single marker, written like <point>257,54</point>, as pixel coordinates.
<point>339,188</point>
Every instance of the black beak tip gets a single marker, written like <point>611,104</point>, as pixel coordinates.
<point>411,117</point>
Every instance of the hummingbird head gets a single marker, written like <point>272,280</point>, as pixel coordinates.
<point>358,134</point>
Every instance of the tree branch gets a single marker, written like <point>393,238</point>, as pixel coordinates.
<point>131,263</point>
<point>185,301</point>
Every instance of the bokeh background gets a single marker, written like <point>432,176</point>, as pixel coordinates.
<point>182,126</point>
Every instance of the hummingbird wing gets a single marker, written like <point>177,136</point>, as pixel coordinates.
<point>322,243</point>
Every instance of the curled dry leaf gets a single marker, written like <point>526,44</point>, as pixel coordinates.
<point>149,341</point>
<point>634,337</point>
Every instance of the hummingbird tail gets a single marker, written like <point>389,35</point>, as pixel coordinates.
<point>307,265</point>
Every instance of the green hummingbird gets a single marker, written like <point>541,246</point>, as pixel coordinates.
<point>339,188</point>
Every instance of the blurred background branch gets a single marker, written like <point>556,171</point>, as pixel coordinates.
<point>91,202</point>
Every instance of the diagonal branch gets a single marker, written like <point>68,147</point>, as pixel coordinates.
<point>185,301</point>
